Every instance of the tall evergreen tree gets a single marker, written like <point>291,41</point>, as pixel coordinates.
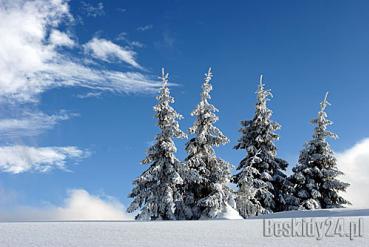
<point>206,193</point>
<point>261,173</point>
<point>315,176</point>
<point>156,191</point>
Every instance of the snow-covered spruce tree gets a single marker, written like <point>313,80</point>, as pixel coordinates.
<point>261,174</point>
<point>248,186</point>
<point>315,176</point>
<point>206,191</point>
<point>155,192</point>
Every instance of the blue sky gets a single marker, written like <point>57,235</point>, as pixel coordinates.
<point>303,49</point>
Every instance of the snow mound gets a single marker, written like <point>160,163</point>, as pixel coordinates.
<point>229,213</point>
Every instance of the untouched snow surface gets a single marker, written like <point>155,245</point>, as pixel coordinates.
<point>214,233</point>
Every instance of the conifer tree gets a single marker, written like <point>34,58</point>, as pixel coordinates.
<point>248,186</point>
<point>261,174</point>
<point>315,176</point>
<point>206,193</point>
<point>156,191</point>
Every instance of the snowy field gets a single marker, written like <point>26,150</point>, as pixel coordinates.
<point>181,233</point>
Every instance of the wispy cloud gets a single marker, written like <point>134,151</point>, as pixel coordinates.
<point>108,51</point>
<point>93,10</point>
<point>89,95</point>
<point>35,56</point>
<point>78,205</point>
<point>354,162</point>
<point>167,42</point>
<point>137,44</point>
<point>30,123</point>
<point>32,62</point>
<point>122,10</point>
<point>144,28</point>
<point>123,37</point>
<point>18,159</point>
<point>168,39</point>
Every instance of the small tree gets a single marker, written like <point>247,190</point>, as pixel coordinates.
<point>155,192</point>
<point>315,176</point>
<point>248,186</point>
<point>261,172</point>
<point>206,193</point>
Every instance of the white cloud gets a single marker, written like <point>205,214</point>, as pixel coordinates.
<point>354,162</point>
<point>36,56</point>
<point>92,10</point>
<point>18,159</point>
<point>32,62</point>
<point>24,53</point>
<point>30,124</point>
<point>79,205</point>
<point>107,51</point>
<point>58,38</point>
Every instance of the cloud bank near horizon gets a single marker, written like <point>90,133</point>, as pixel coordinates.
<point>78,205</point>
<point>354,162</point>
